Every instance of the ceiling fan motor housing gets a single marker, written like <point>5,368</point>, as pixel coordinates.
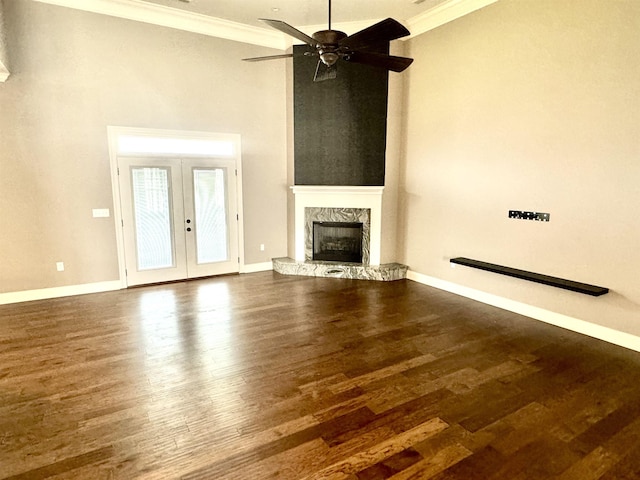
<point>328,45</point>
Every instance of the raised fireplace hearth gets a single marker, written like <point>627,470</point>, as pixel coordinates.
<point>357,271</point>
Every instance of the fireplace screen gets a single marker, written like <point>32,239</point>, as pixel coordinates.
<point>337,241</point>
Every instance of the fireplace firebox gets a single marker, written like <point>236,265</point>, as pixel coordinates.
<point>337,241</point>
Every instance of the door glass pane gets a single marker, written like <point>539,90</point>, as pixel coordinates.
<point>211,215</point>
<point>152,209</point>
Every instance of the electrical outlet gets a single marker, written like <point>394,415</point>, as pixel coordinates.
<point>537,216</point>
<point>262,247</point>
<point>60,266</point>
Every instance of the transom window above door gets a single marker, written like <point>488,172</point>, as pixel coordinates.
<point>148,145</point>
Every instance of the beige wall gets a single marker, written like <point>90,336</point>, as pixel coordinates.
<point>74,73</point>
<point>529,105</point>
<point>389,239</point>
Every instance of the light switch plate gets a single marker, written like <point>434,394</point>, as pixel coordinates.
<point>101,213</point>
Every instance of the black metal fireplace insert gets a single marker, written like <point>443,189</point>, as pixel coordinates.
<point>337,241</point>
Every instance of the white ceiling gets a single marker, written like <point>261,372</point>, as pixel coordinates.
<point>304,12</point>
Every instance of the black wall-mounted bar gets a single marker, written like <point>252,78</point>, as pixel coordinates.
<point>585,288</point>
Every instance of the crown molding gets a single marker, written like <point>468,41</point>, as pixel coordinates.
<point>154,14</point>
<point>443,13</point>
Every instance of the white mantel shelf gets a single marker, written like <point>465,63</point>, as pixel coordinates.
<point>336,190</point>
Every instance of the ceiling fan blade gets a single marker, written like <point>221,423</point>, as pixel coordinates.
<point>390,62</point>
<point>323,72</point>
<point>289,30</point>
<point>383,31</point>
<point>269,57</point>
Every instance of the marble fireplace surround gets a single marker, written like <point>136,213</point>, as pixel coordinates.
<point>343,204</point>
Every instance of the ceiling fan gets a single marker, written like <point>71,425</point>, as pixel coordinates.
<point>333,45</point>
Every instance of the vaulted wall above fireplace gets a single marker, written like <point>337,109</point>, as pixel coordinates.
<point>340,126</point>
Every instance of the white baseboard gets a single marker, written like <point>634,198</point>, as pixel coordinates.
<point>55,292</point>
<point>256,267</point>
<point>610,335</point>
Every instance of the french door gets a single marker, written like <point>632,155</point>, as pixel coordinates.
<point>179,218</point>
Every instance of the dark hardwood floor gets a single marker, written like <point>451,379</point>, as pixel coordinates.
<point>268,376</point>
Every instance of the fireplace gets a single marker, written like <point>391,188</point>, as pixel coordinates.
<point>330,205</point>
<point>337,241</point>
<point>338,204</point>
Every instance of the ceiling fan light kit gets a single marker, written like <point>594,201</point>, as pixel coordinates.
<point>330,46</point>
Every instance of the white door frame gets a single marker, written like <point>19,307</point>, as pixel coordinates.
<point>113,135</point>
